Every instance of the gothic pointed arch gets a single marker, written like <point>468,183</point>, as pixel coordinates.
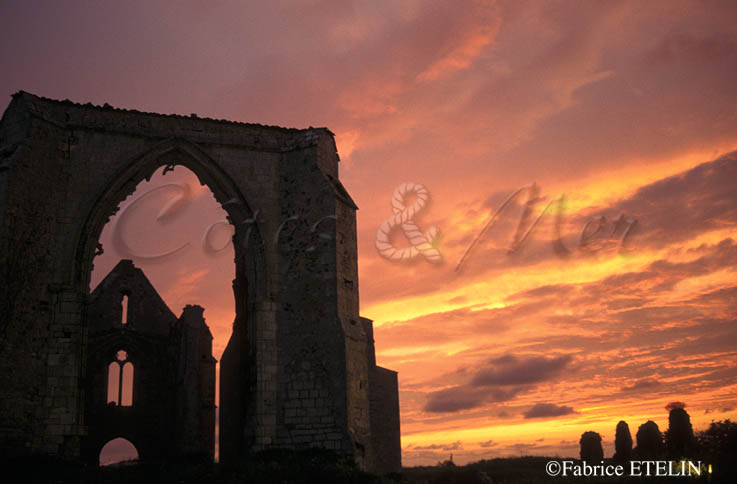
<point>247,241</point>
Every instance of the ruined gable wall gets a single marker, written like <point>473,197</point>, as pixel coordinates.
<point>302,306</point>
<point>147,312</point>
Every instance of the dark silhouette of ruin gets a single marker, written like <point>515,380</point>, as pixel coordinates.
<point>299,370</point>
<point>150,375</point>
<point>591,449</point>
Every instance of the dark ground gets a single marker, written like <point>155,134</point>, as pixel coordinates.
<point>312,466</point>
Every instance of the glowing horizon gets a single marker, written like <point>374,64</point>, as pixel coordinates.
<point>624,108</point>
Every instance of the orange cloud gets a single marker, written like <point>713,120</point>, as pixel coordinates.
<point>463,53</point>
<point>617,105</point>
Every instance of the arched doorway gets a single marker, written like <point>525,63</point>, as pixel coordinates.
<point>116,451</point>
<point>185,173</point>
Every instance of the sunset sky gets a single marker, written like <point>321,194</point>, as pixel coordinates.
<point>623,108</point>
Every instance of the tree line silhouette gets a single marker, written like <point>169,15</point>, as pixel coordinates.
<point>717,445</point>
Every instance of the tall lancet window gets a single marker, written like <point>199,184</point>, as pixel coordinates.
<point>120,381</point>
<point>124,304</point>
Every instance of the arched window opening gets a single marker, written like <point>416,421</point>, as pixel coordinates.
<point>120,381</point>
<point>113,383</point>
<point>126,397</point>
<point>124,314</point>
<point>116,451</point>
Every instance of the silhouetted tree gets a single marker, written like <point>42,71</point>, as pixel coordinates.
<point>718,446</point>
<point>679,438</point>
<point>623,442</point>
<point>649,441</point>
<point>673,405</point>
<point>591,450</point>
<point>447,463</point>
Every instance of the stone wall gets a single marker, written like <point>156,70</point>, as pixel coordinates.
<point>172,412</point>
<point>41,341</point>
<point>299,371</point>
<point>195,384</point>
<point>383,410</point>
<point>385,420</point>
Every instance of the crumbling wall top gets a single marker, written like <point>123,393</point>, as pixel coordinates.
<point>68,114</point>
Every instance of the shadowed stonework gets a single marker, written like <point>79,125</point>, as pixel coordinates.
<point>164,404</point>
<point>299,370</point>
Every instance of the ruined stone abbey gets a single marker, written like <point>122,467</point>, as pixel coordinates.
<point>299,369</point>
<point>150,375</point>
